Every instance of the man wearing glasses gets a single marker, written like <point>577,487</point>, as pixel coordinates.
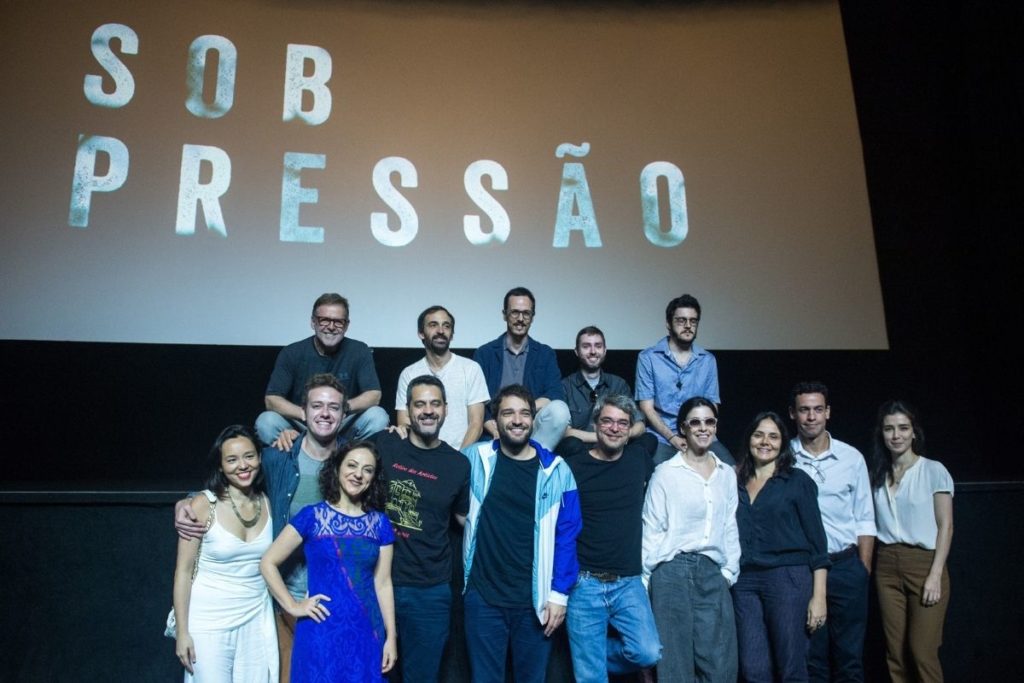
<point>672,371</point>
<point>516,358</point>
<point>327,351</point>
<point>611,475</point>
<point>847,512</point>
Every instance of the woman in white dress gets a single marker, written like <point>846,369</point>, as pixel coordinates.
<point>225,623</point>
<point>914,515</point>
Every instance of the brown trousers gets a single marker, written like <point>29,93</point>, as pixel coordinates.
<point>913,632</point>
<point>285,640</point>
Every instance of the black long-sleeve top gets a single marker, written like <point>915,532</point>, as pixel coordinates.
<point>782,527</point>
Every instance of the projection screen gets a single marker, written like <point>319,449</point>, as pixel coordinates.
<point>198,172</point>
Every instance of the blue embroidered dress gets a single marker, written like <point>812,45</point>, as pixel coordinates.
<point>341,553</point>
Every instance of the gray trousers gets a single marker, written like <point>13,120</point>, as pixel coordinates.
<point>693,611</point>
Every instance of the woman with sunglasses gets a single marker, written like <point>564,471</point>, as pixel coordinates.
<point>691,553</point>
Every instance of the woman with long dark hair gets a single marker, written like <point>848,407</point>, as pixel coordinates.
<point>780,595</point>
<point>224,620</point>
<point>346,624</point>
<point>914,515</point>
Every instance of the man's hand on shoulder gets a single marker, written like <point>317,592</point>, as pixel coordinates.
<point>185,521</point>
<point>285,440</point>
<point>582,435</point>
<point>401,430</point>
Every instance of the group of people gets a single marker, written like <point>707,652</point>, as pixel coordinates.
<point>616,512</point>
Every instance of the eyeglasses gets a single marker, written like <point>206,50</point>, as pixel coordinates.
<point>686,322</point>
<point>327,323</point>
<point>520,315</point>
<point>608,422</point>
<point>696,422</point>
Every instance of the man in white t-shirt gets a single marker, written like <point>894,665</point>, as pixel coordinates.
<point>463,380</point>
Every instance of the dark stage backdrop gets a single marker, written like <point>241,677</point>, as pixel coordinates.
<point>939,106</point>
<point>141,417</point>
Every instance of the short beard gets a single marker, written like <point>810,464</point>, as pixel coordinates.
<point>511,447</point>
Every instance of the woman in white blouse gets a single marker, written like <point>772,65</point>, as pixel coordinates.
<point>914,514</point>
<point>691,554</point>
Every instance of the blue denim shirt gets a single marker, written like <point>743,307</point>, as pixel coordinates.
<point>281,472</point>
<point>660,378</point>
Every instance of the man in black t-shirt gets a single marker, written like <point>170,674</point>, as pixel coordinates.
<point>428,483</point>
<point>611,477</point>
<point>519,549</point>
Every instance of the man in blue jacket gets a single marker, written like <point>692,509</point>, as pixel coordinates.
<point>515,358</point>
<point>519,550</point>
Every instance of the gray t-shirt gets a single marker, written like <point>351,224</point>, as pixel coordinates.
<point>308,493</point>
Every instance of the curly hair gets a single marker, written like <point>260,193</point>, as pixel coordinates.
<point>375,496</point>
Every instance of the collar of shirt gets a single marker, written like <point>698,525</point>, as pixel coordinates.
<point>526,346</point>
<point>797,447</point>
<point>678,460</point>
<point>663,348</point>
<point>580,381</point>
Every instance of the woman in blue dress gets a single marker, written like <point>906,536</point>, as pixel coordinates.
<point>346,627</point>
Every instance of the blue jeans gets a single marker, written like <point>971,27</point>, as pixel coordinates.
<point>489,632</point>
<point>771,623</point>
<point>624,604</point>
<point>693,611</point>
<point>355,426</point>
<point>423,614</point>
<point>841,642</point>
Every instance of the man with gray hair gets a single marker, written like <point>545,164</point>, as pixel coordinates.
<point>611,476</point>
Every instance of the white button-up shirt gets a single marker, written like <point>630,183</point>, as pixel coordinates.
<point>907,515</point>
<point>686,513</point>
<point>844,491</point>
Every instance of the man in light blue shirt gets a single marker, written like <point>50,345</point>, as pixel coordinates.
<point>847,512</point>
<point>672,371</point>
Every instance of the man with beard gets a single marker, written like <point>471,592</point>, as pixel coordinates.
<point>585,387</point>
<point>848,514</point>
<point>428,483</point>
<point>612,476</point>
<point>672,371</point>
<point>517,358</point>
<point>327,351</point>
<point>292,479</point>
<point>519,549</point>
<point>463,380</point>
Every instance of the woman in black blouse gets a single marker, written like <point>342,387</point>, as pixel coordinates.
<point>780,595</point>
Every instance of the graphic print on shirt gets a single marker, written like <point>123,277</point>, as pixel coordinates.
<point>403,497</point>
